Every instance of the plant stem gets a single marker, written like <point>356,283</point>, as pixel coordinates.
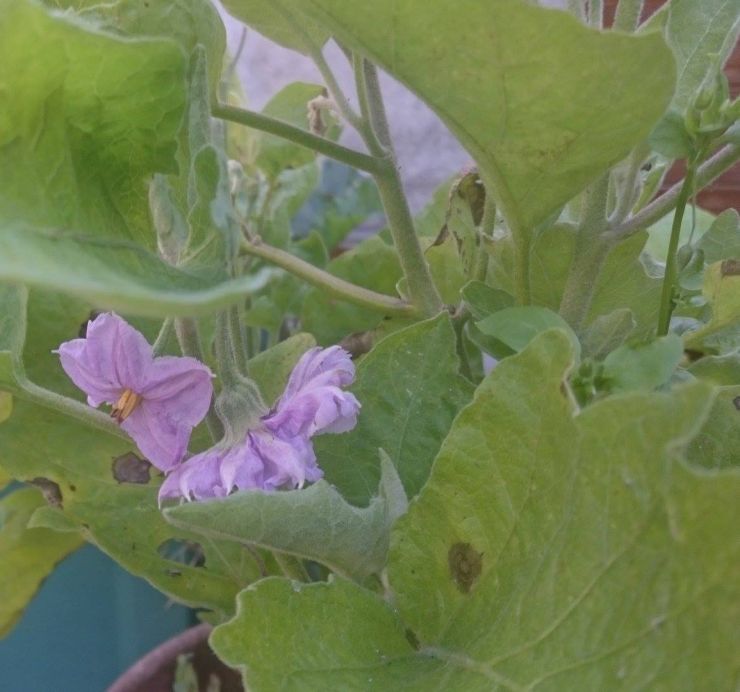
<point>188,337</point>
<point>627,16</point>
<point>712,168</point>
<point>487,224</point>
<point>333,284</point>
<point>291,567</point>
<point>422,290</point>
<point>360,67</point>
<point>591,250</point>
<point>237,337</point>
<point>627,195</point>
<point>667,302</point>
<point>29,391</point>
<point>324,146</point>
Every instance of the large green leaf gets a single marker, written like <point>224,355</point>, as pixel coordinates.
<point>722,240</point>
<point>115,274</point>
<point>315,523</point>
<point>505,572</point>
<point>121,518</point>
<point>722,291</point>
<point>717,445</point>
<point>702,35</point>
<point>529,91</point>
<point>85,117</point>
<point>27,556</point>
<point>287,26</point>
<point>410,391</point>
<point>13,300</point>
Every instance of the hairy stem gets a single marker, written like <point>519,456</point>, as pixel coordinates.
<point>667,296</point>
<point>591,250</point>
<point>188,337</point>
<point>712,168</point>
<point>165,332</point>
<point>273,126</point>
<point>332,284</point>
<point>627,16</point>
<point>29,391</point>
<point>237,338</point>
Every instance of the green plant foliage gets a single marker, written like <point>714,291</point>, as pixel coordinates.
<point>27,556</point>
<point>323,526</point>
<point>79,146</point>
<point>122,519</point>
<point>722,291</point>
<point>642,365</point>
<point>722,240</point>
<point>115,274</point>
<point>717,443</point>
<point>702,36</point>
<point>291,105</point>
<point>271,368</point>
<point>516,327</point>
<point>695,223</point>
<point>534,520</point>
<point>372,264</point>
<point>607,332</point>
<point>287,26</point>
<point>524,135</point>
<point>410,392</point>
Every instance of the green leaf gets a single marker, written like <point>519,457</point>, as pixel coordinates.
<point>13,301</point>
<point>84,120</point>
<point>271,368</point>
<point>660,233</point>
<point>722,291</point>
<point>505,571</point>
<point>410,391</point>
<point>290,105</point>
<point>115,274</point>
<point>274,615</point>
<point>27,556</point>
<point>642,366</point>
<point>722,240</point>
<point>670,138</point>
<point>287,26</point>
<point>722,370</point>
<point>189,22</point>
<point>315,523</point>
<point>6,408</point>
<point>717,443</point>
<point>372,264</point>
<point>122,519</point>
<point>516,327</point>
<point>607,332</point>
<point>702,36</point>
<point>541,124</point>
<point>483,300</point>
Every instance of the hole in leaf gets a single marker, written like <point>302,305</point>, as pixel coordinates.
<point>128,468</point>
<point>465,565</point>
<point>50,490</point>
<point>187,553</point>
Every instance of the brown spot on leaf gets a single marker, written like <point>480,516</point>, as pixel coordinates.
<point>465,565</point>
<point>730,267</point>
<point>736,402</point>
<point>50,490</point>
<point>128,468</point>
<point>412,639</point>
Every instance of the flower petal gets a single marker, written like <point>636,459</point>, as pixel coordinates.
<point>183,383</point>
<point>199,478</point>
<point>287,463</point>
<point>315,411</point>
<point>82,369</point>
<point>161,438</point>
<point>332,366</point>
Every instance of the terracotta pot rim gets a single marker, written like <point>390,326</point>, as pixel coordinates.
<point>139,673</point>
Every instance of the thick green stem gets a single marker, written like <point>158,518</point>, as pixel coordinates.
<point>324,146</point>
<point>422,291</point>
<point>332,284</point>
<point>712,168</point>
<point>667,296</point>
<point>29,391</point>
<point>237,337</point>
<point>627,16</point>
<point>188,337</point>
<point>591,250</point>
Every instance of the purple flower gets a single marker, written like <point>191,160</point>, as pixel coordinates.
<point>157,401</point>
<point>277,453</point>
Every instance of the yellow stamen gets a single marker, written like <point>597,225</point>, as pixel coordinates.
<point>125,405</point>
